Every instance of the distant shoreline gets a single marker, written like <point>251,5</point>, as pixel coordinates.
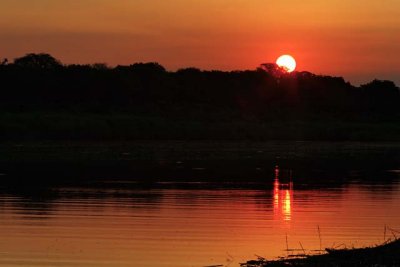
<point>58,162</point>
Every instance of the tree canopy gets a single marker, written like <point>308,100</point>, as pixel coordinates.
<point>148,88</point>
<point>37,61</point>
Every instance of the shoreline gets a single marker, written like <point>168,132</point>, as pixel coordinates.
<point>237,164</point>
<point>384,255</point>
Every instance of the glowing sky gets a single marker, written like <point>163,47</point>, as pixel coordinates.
<point>357,39</point>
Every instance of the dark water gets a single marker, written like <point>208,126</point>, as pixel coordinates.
<point>196,223</point>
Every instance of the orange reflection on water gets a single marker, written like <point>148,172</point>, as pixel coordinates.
<point>287,207</point>
<point>174,227</point>
<point>276,195</point>
<point>283,197</point>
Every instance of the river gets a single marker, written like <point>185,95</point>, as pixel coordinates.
<point>121,223</point>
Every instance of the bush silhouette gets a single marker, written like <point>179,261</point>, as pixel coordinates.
<point>37,61</point>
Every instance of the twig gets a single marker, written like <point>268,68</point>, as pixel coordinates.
<point>260,258</point>
<point>320,240</point>
<point>384,234</point>
<point>393,230</point>
<point>230,259</point>
<point>287,245</point>
<point>340,245</point>
<point>302,248</point>
<point>393,233</point>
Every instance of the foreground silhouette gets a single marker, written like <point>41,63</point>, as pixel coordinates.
<point>386,254</point>
<point>41,98</point>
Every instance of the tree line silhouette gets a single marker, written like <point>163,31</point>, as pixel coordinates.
<point>41,82</point>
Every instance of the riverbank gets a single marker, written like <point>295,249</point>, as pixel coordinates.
<point>387,254</point>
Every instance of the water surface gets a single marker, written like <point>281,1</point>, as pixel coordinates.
<point>193,224</point>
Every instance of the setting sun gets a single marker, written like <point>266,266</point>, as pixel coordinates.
<point>287,62</point>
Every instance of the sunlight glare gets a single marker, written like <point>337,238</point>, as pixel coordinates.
<point>287,62</point>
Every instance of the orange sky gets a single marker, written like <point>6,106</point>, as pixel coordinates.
<point>359,40</point>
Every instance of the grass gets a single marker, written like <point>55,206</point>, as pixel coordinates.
<point>386,254</point>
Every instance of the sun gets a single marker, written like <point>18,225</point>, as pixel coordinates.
<point>286,62</point>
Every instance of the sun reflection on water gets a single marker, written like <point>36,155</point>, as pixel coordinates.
<point>283,196</point>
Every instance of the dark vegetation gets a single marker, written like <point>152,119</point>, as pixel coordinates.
<point>384,255</point>
<point>42,99</point>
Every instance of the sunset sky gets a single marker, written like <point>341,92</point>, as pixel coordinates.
<point>359,40</point>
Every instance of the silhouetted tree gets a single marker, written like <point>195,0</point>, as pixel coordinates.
<point>100,66</point>
<point>189,71</point>
<point>381,96</point>
<point>37,61</point>
<point>147,68</point>
<point>273,69</point>
<point>147,88</point>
